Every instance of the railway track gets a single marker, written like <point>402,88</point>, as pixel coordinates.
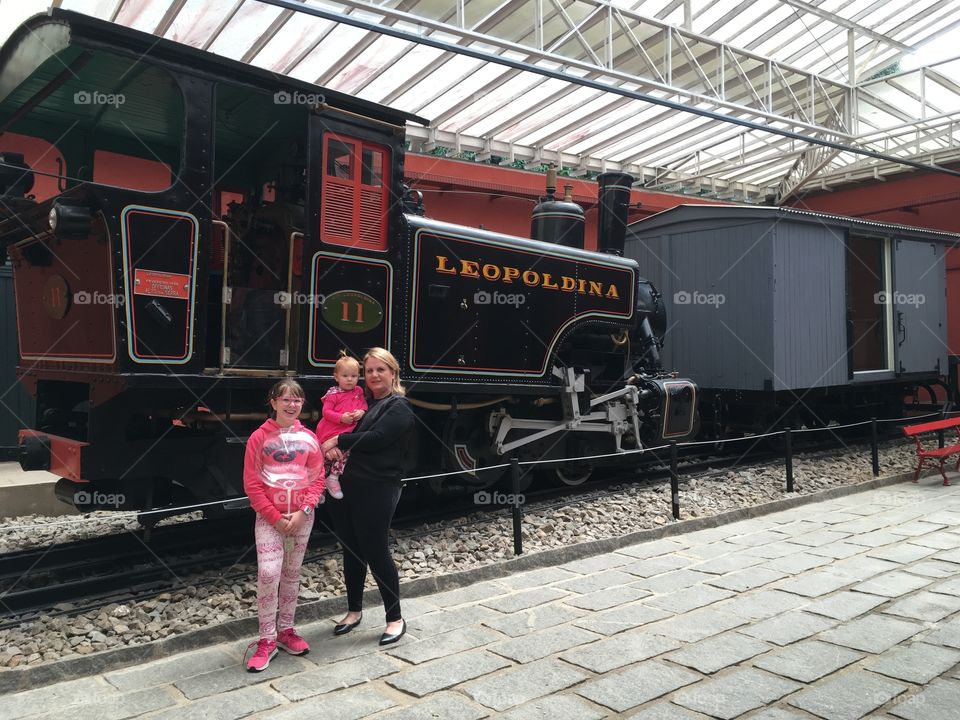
<point>78,576</point>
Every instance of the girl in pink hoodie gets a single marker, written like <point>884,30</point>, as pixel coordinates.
<point>283,477</point>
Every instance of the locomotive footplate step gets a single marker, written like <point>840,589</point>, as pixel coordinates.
<point>716,622</point>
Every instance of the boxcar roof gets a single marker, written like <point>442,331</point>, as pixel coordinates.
<point>701,213</point>
<point>44,36</point>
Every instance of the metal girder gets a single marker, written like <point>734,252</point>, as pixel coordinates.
<point>662,38</point>
<point>843,22</point>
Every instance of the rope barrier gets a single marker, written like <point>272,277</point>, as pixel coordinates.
<point>126,514</point>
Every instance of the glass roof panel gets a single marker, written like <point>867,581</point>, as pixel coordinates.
<point>296,37</point>
<point>587,125</point>
<point>244,29</point>
<point>396,75</point>
<point>365,67</point>
<point>450,87</point>
<point>197,21</point>
<point>144,16</point>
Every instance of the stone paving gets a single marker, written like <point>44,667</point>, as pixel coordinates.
<point>837,610</point>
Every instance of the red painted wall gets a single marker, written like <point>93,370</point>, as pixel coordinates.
<point>502,199</point>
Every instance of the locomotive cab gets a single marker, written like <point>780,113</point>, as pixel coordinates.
<point>171,216</point>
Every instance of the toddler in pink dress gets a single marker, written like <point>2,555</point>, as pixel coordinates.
<point>343,406</point>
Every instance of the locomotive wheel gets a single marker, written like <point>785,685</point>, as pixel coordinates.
<point>466,443</point>
<point>573,475</point>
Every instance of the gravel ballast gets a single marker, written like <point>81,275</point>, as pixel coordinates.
<point>212,598</point>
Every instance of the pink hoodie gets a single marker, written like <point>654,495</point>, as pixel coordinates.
<point>282,470</point>
<point>335,404</point>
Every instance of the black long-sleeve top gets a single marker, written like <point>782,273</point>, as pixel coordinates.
<point>377,448</point>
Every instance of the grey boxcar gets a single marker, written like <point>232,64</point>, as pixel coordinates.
<point>788,316</point>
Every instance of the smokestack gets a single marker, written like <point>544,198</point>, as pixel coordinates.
<point>613,197</point>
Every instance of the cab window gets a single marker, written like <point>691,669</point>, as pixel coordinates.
<point>354,195</point>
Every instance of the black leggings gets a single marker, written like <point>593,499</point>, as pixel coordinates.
<point>361,521</point>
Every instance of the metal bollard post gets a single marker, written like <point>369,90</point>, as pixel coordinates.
<point>515,511</point>
<point>788,452</point>
<point>674,481</point>
<point>874,447</point>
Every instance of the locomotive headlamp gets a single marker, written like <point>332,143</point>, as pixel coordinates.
<point>69,219</point>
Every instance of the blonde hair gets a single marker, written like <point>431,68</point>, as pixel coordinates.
<point>345,360</point>
<point>279,388</point>
<point>387,358</point>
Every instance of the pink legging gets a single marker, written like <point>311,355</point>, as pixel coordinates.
<point>278,575</point>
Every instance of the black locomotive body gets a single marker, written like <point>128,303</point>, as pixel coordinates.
<point>214,227</point>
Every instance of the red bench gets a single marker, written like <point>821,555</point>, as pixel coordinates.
<point>937,455</point>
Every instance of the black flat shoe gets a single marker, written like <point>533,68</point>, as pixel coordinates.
<point>344,628</point>
<point>388,639</point>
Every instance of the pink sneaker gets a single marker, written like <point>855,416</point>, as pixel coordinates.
<point>333,487</point>
<point>266,651</point>
<point>291,642</point>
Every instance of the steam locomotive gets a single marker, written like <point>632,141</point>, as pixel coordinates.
<point>204,227</point>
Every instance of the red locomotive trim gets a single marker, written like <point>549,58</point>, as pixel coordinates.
<point>64,454</point>
<point>49,354</point>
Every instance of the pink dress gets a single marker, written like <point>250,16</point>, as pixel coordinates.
<point>336,403</point>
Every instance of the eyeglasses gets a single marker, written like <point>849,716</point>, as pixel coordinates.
<point>290,401</point>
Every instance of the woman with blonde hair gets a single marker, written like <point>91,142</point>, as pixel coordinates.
<point>371,489</point>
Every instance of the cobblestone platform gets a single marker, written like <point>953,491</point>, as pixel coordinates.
<point>839,610</point>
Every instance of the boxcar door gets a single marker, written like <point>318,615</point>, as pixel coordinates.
<point>919,306</point>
